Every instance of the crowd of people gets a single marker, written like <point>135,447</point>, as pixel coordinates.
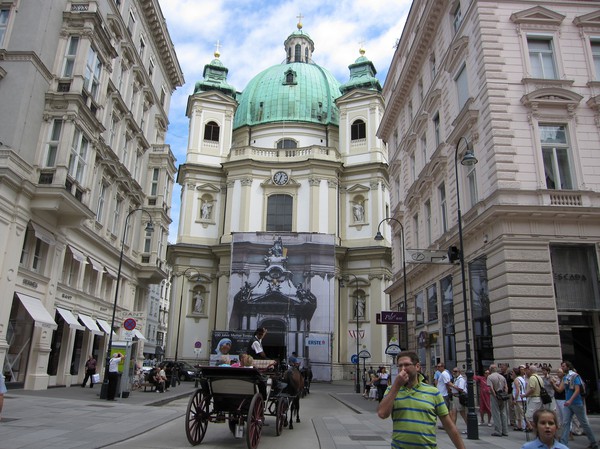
<point>531,398</point>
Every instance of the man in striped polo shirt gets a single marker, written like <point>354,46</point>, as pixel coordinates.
<point>415,407</point>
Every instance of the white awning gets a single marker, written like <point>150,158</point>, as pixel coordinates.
<point>35,308</point>
<point>104,326</point>
<point>89,323</point>
<point>139,335</point>
<point>77,255</point>
<point>112,273</point>
<point>43,234</point>
<point>97,266</point>
<point>69,318</point>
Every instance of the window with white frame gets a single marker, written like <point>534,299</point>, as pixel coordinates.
<point>53,143</point>
<point>101,201</point>
<point>151,66</point>
<point>416,230</point>
<point>443,207</point>
<point>163,96</point>
<point>125,149</point>
<point>211,131</point>
<point>595,45</point>
<point>4,16</point>
<point>93,68</point>
<point>420,87</point>
<point>541,57</point>
<point>70,55</point>
<point>555,153</point>
<point>148,242</point>
<point>117,216</point>
<point>462,86</point>
<point>113,129</point>
<point>423,141</point>
<point>279,213</point>
<point>78,158</point>
<point>428,222</point>
<point>436,129</point>
<point>358,130</point>
<point>34,252</point>
<point>457,18</point>
<point>131,23</point>
<point>154,184</point>
<point>472,185</point>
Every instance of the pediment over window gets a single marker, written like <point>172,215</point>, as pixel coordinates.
<point>538,15</point>
<point>552,97</point>
<point>208,188</point>
<point>357,188</point>
<point>457,54</point>
<point>433,100</point>
<point>420,122</point>
<point>591,20</point>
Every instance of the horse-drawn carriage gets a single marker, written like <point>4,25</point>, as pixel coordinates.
<point>242,397</point>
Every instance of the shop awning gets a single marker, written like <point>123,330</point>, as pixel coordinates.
<point>97,266</point>
<point>112,273</point>
<point>89,323</point>
<point>43,234</point>
<point>139,335</point>
<point>69,319</point>
<point>78,255</point>
<point>37,311</point>
<point>104,326</point>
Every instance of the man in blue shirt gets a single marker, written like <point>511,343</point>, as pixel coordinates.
<point>574,405</point>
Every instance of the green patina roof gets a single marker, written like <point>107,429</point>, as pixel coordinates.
<point>270,97</point>
<point>215,78</point>
<point>362,75</point>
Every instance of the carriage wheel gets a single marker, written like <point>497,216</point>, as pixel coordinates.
<point>196,417</point>
<point>282,409</point>
<point>256,418</point>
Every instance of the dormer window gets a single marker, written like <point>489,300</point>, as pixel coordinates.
<point>287,144</point>
<point>290,77</point>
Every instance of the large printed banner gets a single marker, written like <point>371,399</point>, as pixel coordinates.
<point>284,282</point>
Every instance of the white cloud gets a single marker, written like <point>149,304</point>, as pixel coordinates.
<point>252,33</point>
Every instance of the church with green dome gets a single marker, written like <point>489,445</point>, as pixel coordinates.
<point>284,186</point>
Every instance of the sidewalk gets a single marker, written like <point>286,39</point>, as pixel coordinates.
<point>75,417</point>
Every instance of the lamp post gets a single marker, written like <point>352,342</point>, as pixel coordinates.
<point>379,237</point>
<point>149,228</point>
<point>472,429</point>
<point>357,335</point>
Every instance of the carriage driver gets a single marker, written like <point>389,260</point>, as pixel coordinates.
<point>255,348</point>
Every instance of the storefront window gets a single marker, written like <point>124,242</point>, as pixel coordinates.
<point>448,320</point>
<point>574,270</point>
<point>18,336</point>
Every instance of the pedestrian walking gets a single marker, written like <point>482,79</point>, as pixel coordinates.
<point>498,388</point>
<point>415,407</point>
<point>458,387</point>
<point>574,405</point>
<point>443,383</point>
<point>90,370</point>
<point>534,385</point>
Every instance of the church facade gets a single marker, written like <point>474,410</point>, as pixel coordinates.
<point>283,188</point>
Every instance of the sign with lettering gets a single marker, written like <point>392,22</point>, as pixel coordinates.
<point>393,317</point>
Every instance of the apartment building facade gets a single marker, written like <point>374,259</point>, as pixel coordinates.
<point>85,88</point>
<point>519,81</point>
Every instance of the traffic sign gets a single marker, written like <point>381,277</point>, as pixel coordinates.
<point>129,324</point>
<point>354,359</point>
<point>393,350</point>
<point>426,256</point>
<point>127,335</point>
<point>364,354</point>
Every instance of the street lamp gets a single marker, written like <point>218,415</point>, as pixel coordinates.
<point>149,229</point>
<point>472,429</point>
<point>379,237</point>
<point>357,335</point>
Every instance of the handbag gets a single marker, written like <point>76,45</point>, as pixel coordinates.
<point>96,378</point>
<point>502,395</point>
<point>462,398</point>
<point>544,396</point>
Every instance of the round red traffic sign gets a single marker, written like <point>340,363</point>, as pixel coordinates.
<point>129,324</point>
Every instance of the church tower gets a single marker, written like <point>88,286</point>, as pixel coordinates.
<point>283,187</point>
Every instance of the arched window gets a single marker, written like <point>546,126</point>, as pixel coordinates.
<point>279,213</point>
<point>286,144</point>
<point>211,132</point>
<point>358,130</point>
<point>297,53</point>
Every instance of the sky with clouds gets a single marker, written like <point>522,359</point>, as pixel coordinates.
<point>251,35</point>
